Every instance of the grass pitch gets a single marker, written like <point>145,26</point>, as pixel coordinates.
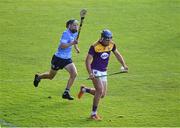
<point>147,33</point>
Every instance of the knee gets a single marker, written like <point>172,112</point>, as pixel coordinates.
<point>103,95</point>
<point>73,75</point>
<point>100,91</point>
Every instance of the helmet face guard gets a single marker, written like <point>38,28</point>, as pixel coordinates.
<point>106,34</point>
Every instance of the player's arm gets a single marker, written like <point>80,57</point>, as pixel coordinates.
<point>66,45</point>
<point>76,48</point>
<point>89,60</point>
<point>120,58</point>
<point>65,41</point>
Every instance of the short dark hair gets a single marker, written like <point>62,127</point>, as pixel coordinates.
<point>71,21</point>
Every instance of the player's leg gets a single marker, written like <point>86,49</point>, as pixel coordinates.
<point>84,89</point>
<point>104,88</point>
<point>55,66</point>
<point>104,83</point>
<point>71,68</point>
<point>93,90</point>
<point>98,93</point>
<point>47,75</point>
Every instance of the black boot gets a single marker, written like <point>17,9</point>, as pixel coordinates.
<point>66,95</point>
<point>36,80</point>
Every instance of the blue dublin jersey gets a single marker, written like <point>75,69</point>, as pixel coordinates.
<point>67,37</point>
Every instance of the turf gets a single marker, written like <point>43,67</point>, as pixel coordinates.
<point>146,32</point>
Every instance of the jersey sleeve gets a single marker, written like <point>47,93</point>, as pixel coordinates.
<point>64,38</point>
<point>114,48</point>
<point>91,51</point>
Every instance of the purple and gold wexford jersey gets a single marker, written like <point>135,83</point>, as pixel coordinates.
<point>101,55</point>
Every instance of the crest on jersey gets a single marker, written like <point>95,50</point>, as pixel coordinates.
<point>104,55</point>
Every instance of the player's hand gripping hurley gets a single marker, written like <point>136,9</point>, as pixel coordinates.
<point>111,74</point>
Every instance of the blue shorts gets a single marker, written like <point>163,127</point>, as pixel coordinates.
<point>59,63</point>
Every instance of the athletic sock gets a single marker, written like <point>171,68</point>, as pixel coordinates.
<point>94,110</point>
<point>86,90</point>
<point>93,113</point>
<point>67,90</point>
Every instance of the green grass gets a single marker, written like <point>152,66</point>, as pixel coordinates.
<point>147,33</point>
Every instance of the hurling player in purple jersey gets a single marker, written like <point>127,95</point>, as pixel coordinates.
<point>96,64</point>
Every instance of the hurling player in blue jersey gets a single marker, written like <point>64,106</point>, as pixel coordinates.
<point>62,58</point>
<point>96,64</point>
